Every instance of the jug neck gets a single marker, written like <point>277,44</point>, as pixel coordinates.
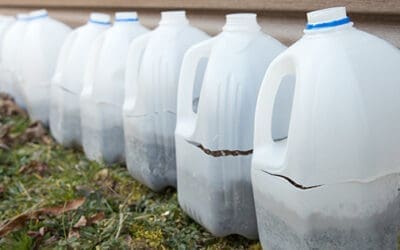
<point>241,22</point>
<point>173,17</point>
<point>38,14</point>
<point>327,20</point>
<point>99,19</point>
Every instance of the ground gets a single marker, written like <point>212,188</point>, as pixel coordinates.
<point>54,197</point>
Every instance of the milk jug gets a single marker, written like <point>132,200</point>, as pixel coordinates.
<point>9,42</point>
<point>152,77</point>
<point>214,141</point>
<point>41,45</point>
<point>103,92</point>
<point>66,87</point>
<point>334,182</point>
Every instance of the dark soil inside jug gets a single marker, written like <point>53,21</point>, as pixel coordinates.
<point>66,130</point>
<point>152,164</point>
<point>377,232</point>
<point>222,209</point>
<point>104,145</point>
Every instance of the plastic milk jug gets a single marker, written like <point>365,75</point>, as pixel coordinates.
<point>40,48</point>
<point>66,87</point>
<point>334,182</point>
<point>152,76</point>
<point>103,91</point>
<point>214,142</point>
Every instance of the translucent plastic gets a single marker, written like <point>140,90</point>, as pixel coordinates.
<point>10,58</point>
<point>6,23</point>
<point>40,48</point>
<point>102,96</point>
<point>67,83</point>
<point>333,183</point>
<point>214,145</point>
<point>152,77</point>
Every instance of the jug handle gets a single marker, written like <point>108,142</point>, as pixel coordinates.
<point>90,69</point>
<point>66,47</point>
<point>133,62</point>
<point>187,77</point>
<point>264,145</point>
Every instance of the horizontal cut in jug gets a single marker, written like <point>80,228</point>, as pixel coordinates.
<point>103,90</point>
<point>333,183</point>
<point>152,76</point>
<point>214,141</point>
<point>67,82</point>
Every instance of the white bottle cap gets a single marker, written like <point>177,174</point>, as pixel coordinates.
<point>173,17</point>
<point>327,19</point>
<point>100,18</point>
<point>242,22</point>
<point>126,16</point>
<point>326,15</point>
<point>38,14</point>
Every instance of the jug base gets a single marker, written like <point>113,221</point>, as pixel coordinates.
<point>221,209</point>
<point>152,164</point>
<point>338,222</point>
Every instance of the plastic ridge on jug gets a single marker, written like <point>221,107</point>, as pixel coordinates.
<point>67,82</point>
<point>152,76</point>
<point>333,183</point>
<point>103,91</point>
<point>214,132</point>
<point>42,41</point>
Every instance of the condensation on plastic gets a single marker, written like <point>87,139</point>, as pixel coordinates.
<point>67,82</point>
<point>103,92</point>
<point>333,183</point>
<point>40,48</point>
<point>152,77</point>
<point>214,144</point>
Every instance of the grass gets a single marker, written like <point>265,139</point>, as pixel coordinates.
<point>118,212</point>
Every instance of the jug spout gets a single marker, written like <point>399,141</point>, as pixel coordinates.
<point>99,18</point>
<point>126,17</point>
<point>173,17</point>
<point>241,22</point>
<point>38,14</point>
<point>327,19</point>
